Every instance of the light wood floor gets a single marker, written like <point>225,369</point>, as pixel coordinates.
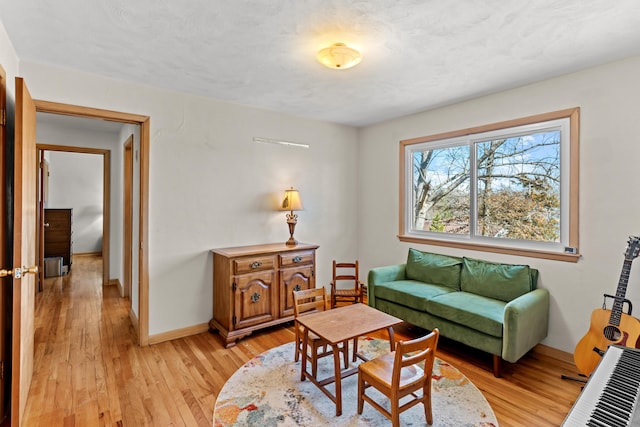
<point>90,372</point>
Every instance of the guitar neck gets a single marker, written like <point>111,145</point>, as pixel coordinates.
<point>621,291</point>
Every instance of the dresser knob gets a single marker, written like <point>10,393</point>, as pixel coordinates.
<point>255,297</point>
<point>256,264</point>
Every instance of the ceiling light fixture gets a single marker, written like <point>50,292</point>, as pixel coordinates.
<point>339,56</point>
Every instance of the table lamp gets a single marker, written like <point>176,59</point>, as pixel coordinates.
<point>291,203</point>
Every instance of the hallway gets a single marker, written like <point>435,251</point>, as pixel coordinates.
<point>75,329</point>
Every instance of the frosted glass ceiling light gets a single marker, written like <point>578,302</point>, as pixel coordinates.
<point>339,56</point>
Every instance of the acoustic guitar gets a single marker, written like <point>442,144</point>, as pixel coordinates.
<point>610,327</point>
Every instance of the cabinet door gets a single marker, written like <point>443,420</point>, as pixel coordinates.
<point>294,279</point>
<point>254,299</point>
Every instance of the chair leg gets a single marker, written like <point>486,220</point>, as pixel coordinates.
<point>395,412</point>
<point>360,393</point>
<point>297,354</point>
<point>428,410</point>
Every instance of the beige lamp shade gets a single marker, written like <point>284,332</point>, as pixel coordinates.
<point>291,201</point>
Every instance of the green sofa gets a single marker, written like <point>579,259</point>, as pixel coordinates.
<point>493,307</point>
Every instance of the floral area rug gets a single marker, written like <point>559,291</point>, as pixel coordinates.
<point>267,392</point>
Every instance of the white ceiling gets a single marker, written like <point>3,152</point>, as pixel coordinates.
<point>418,54</point>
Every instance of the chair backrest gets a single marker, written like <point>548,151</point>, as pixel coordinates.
<point>309,300</point>
<point>347,271</point>
<point>412,352</point>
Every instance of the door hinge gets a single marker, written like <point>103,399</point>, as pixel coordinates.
<point>1,369</point>
<point>234,320</point>
<point>3,117</point>
<point>313,272</point>
<point>234,287</point>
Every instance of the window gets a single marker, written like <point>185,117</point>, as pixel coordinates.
<point>510,187</point>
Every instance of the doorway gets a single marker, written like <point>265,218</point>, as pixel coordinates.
<point>81,219</point>
<point>139,311</point>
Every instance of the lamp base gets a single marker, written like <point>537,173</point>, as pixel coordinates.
<point>292,219</point>
<point>291,242</point>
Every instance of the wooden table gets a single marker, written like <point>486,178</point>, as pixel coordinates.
<point>341,325</point>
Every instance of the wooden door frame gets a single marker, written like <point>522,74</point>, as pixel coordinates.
<point>127,216</point>
<point>144,123</point>
<point>40,215</point>
<point>106,199</point>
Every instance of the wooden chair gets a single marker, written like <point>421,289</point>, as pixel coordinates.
<point>396,375</point>
<point>346,272</point>
<point>310,301</point>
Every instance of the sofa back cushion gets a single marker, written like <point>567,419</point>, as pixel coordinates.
<point>435,269</point>
<point>504,282</point>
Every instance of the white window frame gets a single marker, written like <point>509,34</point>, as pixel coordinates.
<point>566,121</point>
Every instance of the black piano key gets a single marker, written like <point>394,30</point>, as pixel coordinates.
<point>625,375</point>
<point>612,410</point>
<point>632,375</point>
<point>619,393</point>
<point>626,405</point>
<point>620,388</point>
<point>608,419</point>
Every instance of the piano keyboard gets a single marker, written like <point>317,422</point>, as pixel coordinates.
<point>610,397</point>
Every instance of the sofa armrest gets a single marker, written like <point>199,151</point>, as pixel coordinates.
<point>383,275</point>
<point>526,323</point>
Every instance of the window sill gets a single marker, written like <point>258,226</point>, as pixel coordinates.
<point>555,256</point>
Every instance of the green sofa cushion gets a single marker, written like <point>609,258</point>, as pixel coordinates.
<point>434,268</point>
<point>504,282</point>
<point>409,293</point>
<point>473,311</point>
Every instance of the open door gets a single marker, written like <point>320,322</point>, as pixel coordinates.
<point>24,250</point>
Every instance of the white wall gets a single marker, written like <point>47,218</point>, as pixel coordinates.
<point>609,182</point>
<point>47,133</point>
<point>76,182</point>
<point>212,186</point>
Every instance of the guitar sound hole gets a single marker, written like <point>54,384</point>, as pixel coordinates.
<point>612,333</point>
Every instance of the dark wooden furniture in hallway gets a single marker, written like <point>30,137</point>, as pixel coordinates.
<point>58,236</point>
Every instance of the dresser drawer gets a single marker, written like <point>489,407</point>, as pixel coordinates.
<point>251,264</point>
<point>296,258</point>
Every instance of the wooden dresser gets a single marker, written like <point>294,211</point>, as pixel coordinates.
<point>58,239</point>
<point>253,286</point>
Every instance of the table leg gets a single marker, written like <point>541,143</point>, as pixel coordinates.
<point>305,340</point>
<point>392,341</point>
<point>337,373</point>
